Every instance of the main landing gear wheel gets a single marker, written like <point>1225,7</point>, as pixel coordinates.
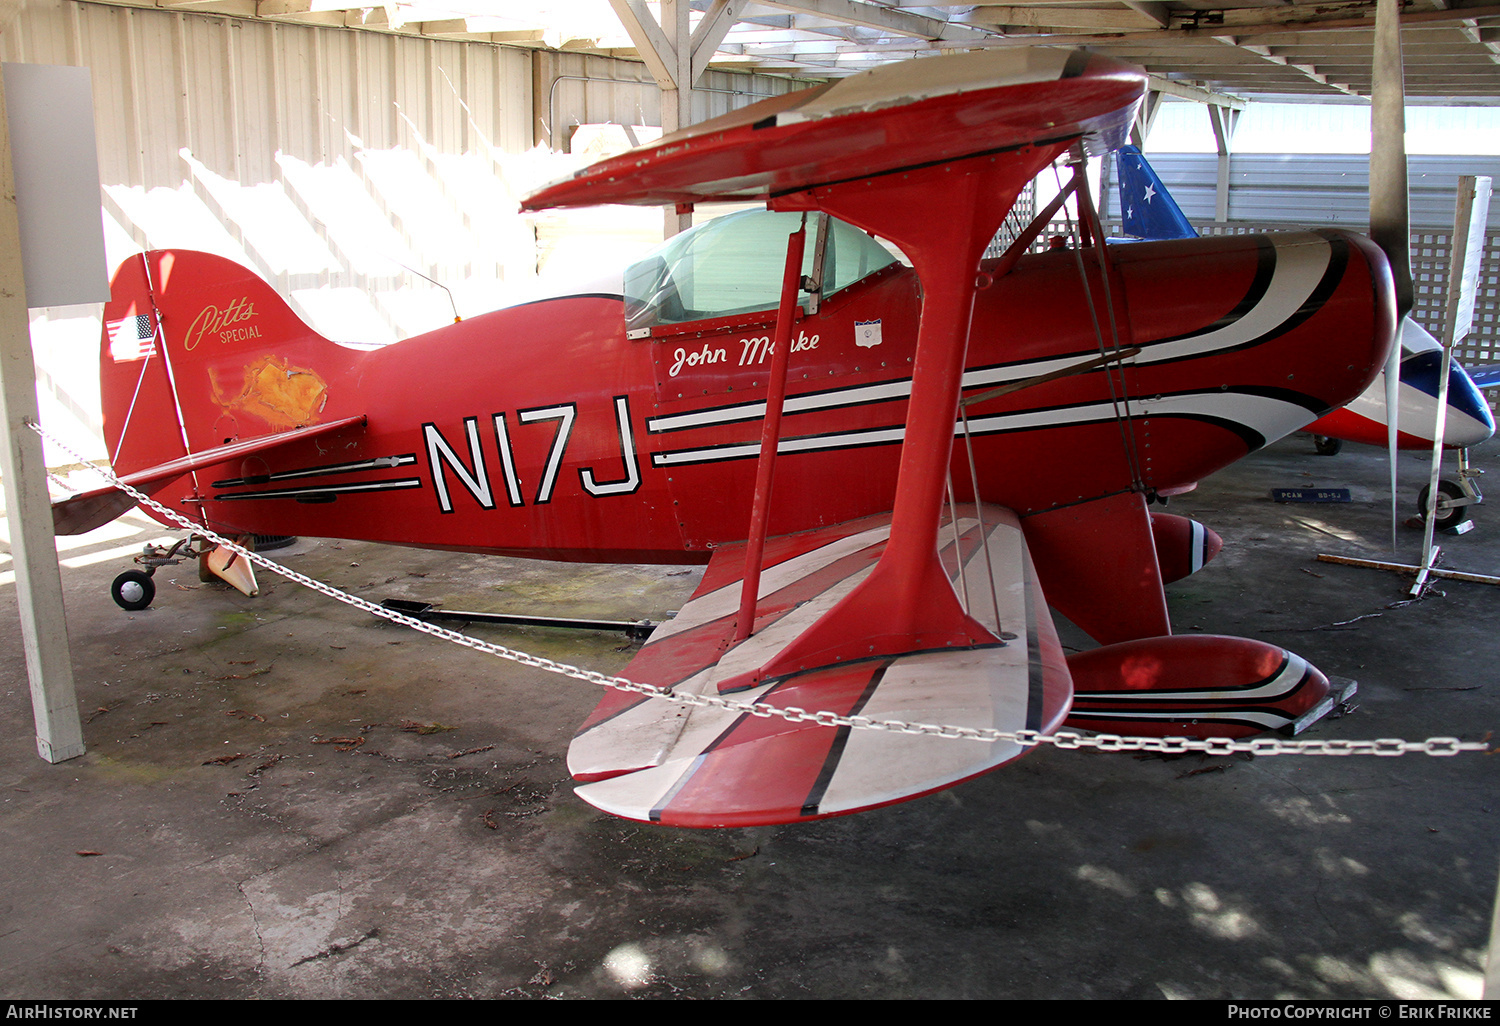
<point>1443,518</point>
<point>133,590</point>
<point>1327,446</point>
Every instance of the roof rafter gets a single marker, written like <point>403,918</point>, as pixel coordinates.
<point>888,19</point>
<point>1267,54</point>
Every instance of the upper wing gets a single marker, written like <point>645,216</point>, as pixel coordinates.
<point>889,118</point>
<point>656,760</point>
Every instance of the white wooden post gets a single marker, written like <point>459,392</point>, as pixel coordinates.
<point>28,509</point>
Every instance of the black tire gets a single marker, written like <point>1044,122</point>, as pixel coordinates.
<point>1327,446</point>
<point>133,590</point>
<point>1444,518</point>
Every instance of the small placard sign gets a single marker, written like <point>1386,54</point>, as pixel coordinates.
<point>1310,494</point>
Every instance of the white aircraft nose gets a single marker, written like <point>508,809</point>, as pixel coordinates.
<point>1464,431</point>
<point>1468,421</point>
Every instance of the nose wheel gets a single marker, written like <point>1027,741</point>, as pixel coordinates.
<point>1455,499</point>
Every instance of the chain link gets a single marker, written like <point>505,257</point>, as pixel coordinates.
<point>1439,746</point>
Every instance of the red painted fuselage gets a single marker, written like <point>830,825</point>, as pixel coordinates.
<point>542,430</point>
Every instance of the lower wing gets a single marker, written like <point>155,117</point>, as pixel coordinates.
<point>653,759</point>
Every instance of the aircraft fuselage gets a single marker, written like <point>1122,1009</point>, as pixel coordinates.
<point>542,430</point>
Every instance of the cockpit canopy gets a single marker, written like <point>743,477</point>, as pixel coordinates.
<point>733,265</point>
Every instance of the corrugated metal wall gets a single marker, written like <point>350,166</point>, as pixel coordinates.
<point>324,159</point>
<point>1301,188</point>
<point>265,139</point>
<point>316,157</point>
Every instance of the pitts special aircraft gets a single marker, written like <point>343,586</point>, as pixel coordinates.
<point>882,570</point>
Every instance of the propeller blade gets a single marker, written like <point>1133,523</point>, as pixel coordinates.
<point>1389,220</point>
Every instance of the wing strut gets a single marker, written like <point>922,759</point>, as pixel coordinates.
<point>907,602</point>
<point>1119,392</point>
<point>1022,245</point>
<point>770,435</point>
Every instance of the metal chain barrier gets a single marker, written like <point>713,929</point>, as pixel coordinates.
<point>794,714</point>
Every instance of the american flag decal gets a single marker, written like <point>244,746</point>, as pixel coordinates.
<point>131,338</point>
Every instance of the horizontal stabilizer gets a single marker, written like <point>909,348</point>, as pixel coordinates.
<point>656,760</point>
<point>88,510</point>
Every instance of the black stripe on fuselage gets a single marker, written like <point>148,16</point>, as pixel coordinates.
<point>378,463</point>
<point>400,484</point>
<point>1333,274</point>
<point>1260,283</point>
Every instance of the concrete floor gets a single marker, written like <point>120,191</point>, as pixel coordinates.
<point>284,797</point>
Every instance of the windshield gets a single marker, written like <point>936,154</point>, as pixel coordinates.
<point>733,265</point>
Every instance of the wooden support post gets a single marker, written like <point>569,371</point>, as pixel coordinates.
<point>677,55</point>
<point>28,509</point>
<point>677,101</point>
<point>1223,120</point>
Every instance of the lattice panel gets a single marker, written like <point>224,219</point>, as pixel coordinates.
<point>1015,223</point>
<point>1430,258</point>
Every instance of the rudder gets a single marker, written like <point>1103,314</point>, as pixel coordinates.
<point>197,352</point>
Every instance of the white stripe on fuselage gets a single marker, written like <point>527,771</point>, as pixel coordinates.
<point>1301,260</point>
<point>1268,417</point>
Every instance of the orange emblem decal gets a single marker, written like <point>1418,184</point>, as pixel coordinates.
<point>281,395</point>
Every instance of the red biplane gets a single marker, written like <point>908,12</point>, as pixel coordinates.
<point>883,570</point>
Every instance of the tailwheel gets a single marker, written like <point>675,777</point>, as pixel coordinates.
<point>1326,446</point>
<point>133,590</point>
<point>1446,514</point>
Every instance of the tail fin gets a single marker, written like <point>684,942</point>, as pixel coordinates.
<point>197,353</point>
<point>1146,207</point>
